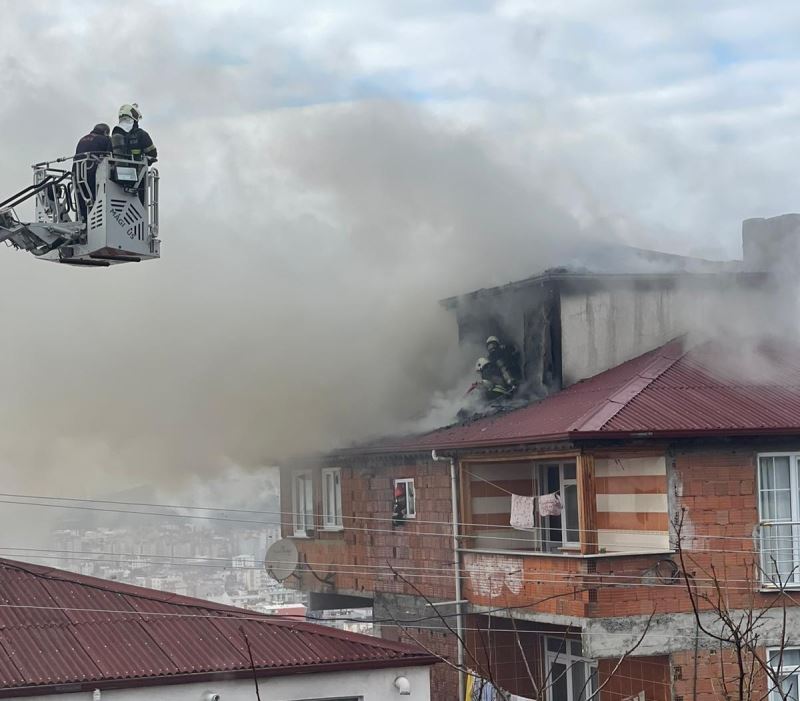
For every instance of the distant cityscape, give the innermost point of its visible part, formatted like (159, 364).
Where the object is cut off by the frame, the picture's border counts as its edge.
(217, 563)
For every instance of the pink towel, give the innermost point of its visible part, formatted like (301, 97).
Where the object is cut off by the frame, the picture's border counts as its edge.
(522, 512)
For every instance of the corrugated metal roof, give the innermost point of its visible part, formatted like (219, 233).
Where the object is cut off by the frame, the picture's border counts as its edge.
(121, 632)
(714, 388)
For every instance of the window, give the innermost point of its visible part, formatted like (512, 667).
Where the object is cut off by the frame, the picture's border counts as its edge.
(572, 676)
(405, 500)
(332, 498)
(779, 512)
(559, 532)
(303, 497)
(787, 665)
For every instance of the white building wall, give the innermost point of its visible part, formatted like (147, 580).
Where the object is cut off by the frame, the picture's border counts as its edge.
(603, 328)
(365, 685)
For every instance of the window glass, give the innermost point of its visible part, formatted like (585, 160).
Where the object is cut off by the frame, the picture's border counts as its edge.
(789, 687)
(559, 687)
(775, 488)
(308, 507)
(572, 676)
(303, 504)
(579, 681)
(411, 499)
(332, 498)
(790, 658)
(787, 664)
(778, 478)
(571, 512)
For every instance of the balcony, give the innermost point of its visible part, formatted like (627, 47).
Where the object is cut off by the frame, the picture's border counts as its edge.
(607, 506)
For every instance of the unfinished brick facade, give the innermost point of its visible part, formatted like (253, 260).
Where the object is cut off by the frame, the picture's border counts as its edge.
(713, 485)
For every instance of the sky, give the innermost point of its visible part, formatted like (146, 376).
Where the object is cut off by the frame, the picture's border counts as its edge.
(328, 172)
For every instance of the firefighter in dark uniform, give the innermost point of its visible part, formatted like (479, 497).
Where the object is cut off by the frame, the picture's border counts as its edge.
(506, 359)
(92, 148)
(130, 141)
(492, 383)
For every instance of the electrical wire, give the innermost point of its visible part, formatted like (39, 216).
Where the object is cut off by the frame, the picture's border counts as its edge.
(597, 582)
(291, 514)
(638, 549)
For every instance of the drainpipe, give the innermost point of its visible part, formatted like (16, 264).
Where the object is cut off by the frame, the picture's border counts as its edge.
(456, 570)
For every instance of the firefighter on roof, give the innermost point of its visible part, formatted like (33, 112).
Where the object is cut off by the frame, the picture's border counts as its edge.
(492, 383)
(506, 359)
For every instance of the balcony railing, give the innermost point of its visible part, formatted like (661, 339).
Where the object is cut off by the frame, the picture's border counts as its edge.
(778, 544)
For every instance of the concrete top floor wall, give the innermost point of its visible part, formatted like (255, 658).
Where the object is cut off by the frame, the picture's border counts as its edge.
(570, 326)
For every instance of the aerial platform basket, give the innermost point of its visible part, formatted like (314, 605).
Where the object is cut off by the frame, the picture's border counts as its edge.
(121, 212)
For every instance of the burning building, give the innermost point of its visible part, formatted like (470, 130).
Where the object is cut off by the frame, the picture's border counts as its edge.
(611, 535)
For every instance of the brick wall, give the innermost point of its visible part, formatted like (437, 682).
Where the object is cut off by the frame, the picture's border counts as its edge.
(715, 489)
(444, 678)
(714, 677)
(634, 675)
(716, 486)
(541, 584)
(357, 559)
(494, 652)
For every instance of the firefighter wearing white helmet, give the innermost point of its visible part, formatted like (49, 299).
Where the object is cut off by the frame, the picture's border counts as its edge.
(129, 139)
(506, 359)
(491, 383)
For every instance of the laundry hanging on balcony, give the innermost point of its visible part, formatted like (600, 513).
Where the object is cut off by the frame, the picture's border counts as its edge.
(478, 689)
(550, 505)
(522, 508)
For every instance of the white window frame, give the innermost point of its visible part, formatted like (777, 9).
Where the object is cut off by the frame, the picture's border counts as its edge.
(303, 504)
(332, 492)
(568, 659)
(783, 671)
(540, 470)
(793, 523)
(410, 513)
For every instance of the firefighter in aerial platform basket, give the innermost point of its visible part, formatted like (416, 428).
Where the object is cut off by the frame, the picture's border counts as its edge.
(131, 141)
(91, 148)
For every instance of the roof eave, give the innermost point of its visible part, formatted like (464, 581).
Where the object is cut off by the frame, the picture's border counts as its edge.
(220, 676)
(575, 436)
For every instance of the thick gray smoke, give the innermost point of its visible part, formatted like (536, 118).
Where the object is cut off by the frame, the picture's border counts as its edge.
(295, 307)
(305, 247)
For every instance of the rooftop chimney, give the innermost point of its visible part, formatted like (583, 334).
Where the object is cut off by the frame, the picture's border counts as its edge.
(768, 244)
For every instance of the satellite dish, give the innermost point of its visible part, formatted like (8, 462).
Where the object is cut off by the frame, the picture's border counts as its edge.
(281, 559)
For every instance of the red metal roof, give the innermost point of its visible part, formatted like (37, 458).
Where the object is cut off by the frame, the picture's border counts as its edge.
(714, 388)
(60, 628)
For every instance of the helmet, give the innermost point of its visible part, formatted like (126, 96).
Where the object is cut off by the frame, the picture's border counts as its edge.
(492, 339)
(482, 363)
(131, 111)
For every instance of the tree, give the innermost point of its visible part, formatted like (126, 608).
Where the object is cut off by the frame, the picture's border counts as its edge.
(740, 631)
(482, 666)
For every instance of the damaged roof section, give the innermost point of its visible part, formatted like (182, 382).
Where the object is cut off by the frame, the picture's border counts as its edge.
(714, 388)
(573, 322)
